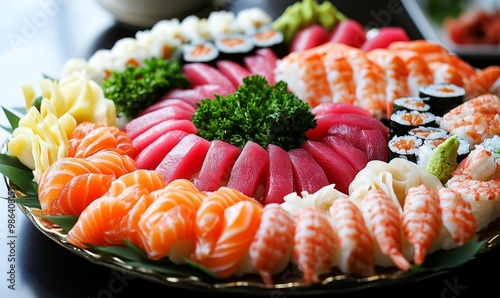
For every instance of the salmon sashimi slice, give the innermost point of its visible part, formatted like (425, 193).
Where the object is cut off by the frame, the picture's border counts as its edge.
(150, 180)
(98, 223)
(88, 139)
(87, 187)
(113, 163)
(240, 222)
(58, 175)
(210, 218)
(167, 225)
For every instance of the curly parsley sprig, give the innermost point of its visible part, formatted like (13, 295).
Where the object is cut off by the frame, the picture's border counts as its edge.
(137, 88)
(257, 112)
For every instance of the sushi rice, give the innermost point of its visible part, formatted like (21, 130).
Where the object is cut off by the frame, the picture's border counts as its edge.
(492, 144)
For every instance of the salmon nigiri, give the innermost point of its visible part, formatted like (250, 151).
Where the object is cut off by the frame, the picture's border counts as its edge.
(240, 223)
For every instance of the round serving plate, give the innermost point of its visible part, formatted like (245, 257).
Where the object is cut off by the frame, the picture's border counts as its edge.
(288, 282)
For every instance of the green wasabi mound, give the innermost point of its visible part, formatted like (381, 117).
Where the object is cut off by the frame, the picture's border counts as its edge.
(443, 159)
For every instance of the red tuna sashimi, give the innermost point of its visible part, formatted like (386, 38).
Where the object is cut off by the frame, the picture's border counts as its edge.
(308, 176)
(196, 94)
(169, 102)
(258, 64)
(249, 171)
(153, 154)
(336, 167)
(233, 70)
(269, 55)
(324, 122)
(185, 159)
(201, 74)
(356, 157)
(385, 37)
(349, 133)
(309, 37)
(140, 124)
(279, 180)
(348, 32)
(339, 108)
(217, 166)
(375, 145)
(152, 134)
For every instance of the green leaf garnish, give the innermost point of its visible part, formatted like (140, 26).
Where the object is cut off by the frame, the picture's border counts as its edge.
(257, 112)
(28, 201)
(13, 120)
(65, 222)
(18, 175)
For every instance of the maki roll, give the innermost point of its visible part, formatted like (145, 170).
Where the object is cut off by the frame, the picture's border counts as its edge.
(411, 103)
(428, 132)
(405, 147)
(199, 52)
(233, 46)
(442, 97)
(401, 122)
(268, 37)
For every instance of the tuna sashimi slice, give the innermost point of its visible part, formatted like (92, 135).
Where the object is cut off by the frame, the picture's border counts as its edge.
(249, 171)
(185, 159)
(352, 134)
(384, 38)
(279, 181)
(197, 94)
(336, 167)
(307, 173)
(199, 73)
(339, 108)
(324, 122)
(217, 166)
(150, 135)
(356, 157)
(233, 70)
(348, 32)
(309, 37)
(169, 102)
(375, 145)
(153, 154)
(259, 65)
(140, 124)
(269, 55)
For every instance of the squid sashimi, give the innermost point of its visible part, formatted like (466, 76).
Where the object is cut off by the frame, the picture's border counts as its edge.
(217, 165)
(271, 249)
(185, 159)
(210, 218)
(89, 138)
(240, 222)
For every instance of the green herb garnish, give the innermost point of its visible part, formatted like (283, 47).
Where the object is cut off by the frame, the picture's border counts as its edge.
(257, 112)
(137, 88)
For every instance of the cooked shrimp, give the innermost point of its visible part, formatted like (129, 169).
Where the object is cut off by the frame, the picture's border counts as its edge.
(478, 165)
(419, 73)
(314, 243)
(355, 244)
(396, 75)
(456, 216)
(445, 73)
(340, 78)
(239, 225)
(315, 78)
(485, 80)
(421, 220)
(383, 218)
(421, 47)
(272, 247)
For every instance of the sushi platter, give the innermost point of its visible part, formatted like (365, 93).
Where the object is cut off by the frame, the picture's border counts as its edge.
(212, 153)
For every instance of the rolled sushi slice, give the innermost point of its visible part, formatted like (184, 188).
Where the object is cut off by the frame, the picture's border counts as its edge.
(411, 103)
(442, 97)
(204, 51)
(428, 132)
(405, 147)
(428, 146)
(267, 37)
(401, 122)
(234, 43)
